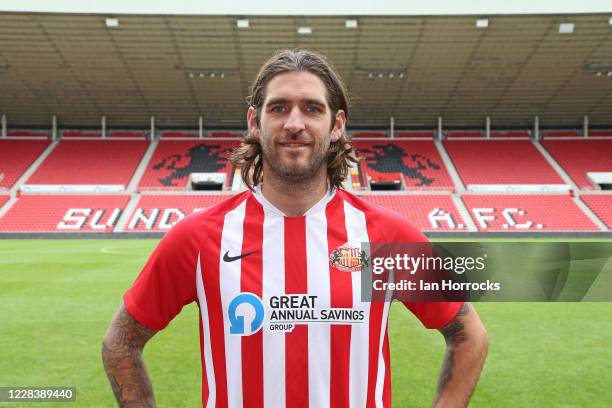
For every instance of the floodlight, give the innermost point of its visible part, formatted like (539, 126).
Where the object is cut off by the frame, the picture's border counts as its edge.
(304, 30)
(351, 23)
(112, 22)
(566, 28)
(482, 23)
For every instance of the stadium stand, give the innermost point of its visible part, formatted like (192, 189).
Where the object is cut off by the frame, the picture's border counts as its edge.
(600, 133)
(520, 134)
(161, 212)
(38, 134)
(454, 134)
(356, 180)
(85, 134)
(173, 161)
(561, 133)
(175, 134)
(226, 134)
(601, 205)
(15, 158)
(417, 161)
(367, 135)
(428, 212)
(64, 213)
(127, 134)
(578, 157)
(527, 212)
(500, 162)
(418, 134)
(90, 162)
(3, 199)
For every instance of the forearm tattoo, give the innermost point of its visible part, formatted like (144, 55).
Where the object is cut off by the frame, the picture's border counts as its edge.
(453, 334)
(122, 357)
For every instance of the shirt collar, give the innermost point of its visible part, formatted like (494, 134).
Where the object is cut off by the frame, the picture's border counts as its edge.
(320, 205)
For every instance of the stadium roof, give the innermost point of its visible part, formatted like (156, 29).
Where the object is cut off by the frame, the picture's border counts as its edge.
(311, 7)
(414, 68)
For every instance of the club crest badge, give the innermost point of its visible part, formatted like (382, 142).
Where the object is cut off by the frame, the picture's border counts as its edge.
(348, 258)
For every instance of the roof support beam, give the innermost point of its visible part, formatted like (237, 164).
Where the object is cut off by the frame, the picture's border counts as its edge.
(152, 135)
(54, 127)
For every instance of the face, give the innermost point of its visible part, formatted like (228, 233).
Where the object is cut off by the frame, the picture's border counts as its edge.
(296, 127)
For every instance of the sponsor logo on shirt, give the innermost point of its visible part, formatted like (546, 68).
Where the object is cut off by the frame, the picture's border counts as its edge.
(348, 258)
(248, 314)
(237, 316)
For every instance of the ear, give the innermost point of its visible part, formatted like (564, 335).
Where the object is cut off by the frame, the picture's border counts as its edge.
(339, 125)
(252, 121)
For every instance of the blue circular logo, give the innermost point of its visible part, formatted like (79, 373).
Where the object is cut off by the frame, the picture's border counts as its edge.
(237, 325)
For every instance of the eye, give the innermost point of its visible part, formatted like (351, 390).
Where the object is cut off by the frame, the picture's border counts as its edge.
(277, 109)
(313, 109)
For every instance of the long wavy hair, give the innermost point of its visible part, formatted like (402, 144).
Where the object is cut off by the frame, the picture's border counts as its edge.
(248, 156)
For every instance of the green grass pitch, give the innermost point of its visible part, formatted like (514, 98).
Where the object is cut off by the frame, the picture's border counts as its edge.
(58, 296)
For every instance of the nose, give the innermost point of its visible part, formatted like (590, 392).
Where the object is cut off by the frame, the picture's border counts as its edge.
(295, 121)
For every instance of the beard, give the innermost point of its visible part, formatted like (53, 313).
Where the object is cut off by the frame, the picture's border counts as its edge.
(292, 168)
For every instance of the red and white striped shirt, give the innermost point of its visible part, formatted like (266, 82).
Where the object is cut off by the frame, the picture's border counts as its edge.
(279, 324)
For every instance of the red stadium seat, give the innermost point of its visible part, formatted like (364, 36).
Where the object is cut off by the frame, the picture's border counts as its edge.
(15, 158)
(427, 134)
(64, 213)
(38, 134)
(67, 134)
(226, 134)
(527, 212)
(600, 133)
(173, 134)
(3, 199)
(417, 160)
(161, 212)
(500, 162)
(601, 205)
(124, 134)
(578, 157)
(173, 161)
(92, 162)
(560, 133)
(453, 134)
(521, 134)
(428, 212)
(365, 135)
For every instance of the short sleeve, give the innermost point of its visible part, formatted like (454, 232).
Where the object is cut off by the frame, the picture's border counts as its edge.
(434, 315)
(167, 282)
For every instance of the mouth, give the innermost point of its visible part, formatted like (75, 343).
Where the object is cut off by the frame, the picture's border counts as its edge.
(294, 145)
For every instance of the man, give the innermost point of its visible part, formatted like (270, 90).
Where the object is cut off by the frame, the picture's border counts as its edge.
(282, 322)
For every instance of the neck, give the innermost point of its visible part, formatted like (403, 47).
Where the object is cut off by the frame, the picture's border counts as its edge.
(294, 198)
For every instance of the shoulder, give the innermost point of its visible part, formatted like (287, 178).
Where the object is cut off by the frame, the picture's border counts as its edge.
(391, 226)
(196, 226)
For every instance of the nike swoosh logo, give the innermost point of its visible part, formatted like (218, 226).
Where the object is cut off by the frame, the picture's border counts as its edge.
(228, 258)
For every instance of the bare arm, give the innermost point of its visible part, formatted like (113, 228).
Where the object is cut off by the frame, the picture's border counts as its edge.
(466, 350)
(122, 357)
